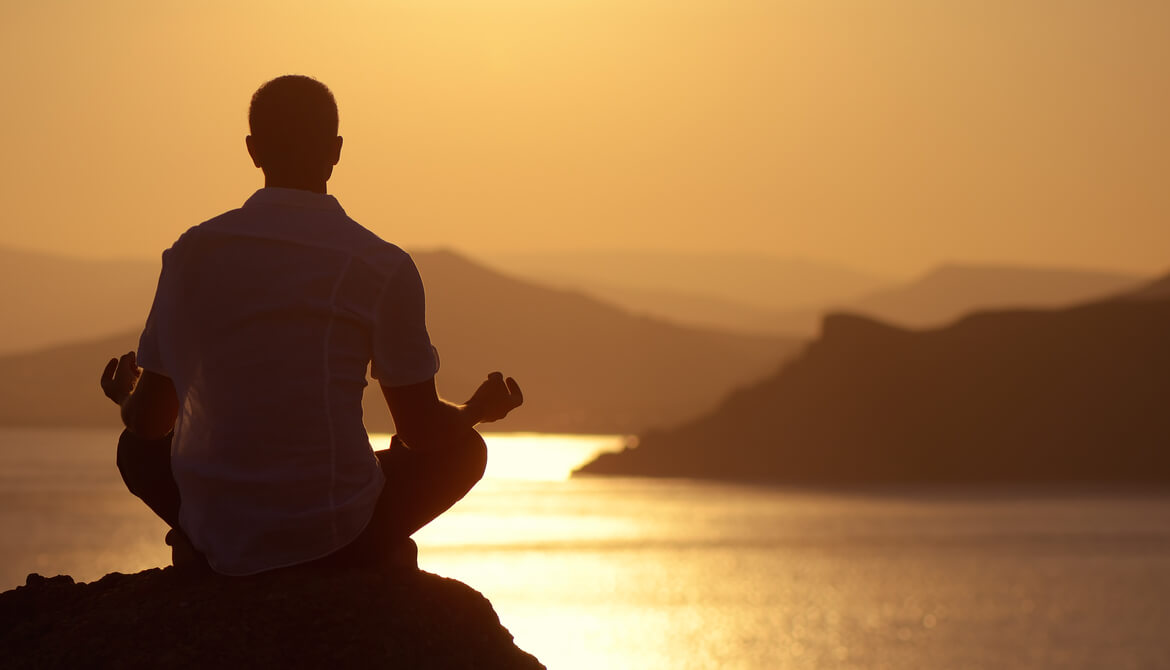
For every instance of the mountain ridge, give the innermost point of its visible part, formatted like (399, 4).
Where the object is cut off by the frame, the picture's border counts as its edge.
(949, 291)
(938, 295)
(755, 280)
(43, 306)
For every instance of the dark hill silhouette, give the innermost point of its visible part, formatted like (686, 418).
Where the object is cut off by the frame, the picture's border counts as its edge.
(584, 365)
(47, 300)
(1158, 289)
(946, 293)
(1073, 395)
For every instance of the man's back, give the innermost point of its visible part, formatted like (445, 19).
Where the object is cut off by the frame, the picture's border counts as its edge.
(244, 430)
(267, 319)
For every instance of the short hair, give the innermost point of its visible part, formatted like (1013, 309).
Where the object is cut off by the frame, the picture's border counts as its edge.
(293, 115)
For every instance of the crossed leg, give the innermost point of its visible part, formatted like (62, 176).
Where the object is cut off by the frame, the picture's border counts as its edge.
(420, 485)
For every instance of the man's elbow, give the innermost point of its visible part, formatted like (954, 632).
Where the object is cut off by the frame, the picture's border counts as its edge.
(150, 412)
(146, 426)
(440, 435)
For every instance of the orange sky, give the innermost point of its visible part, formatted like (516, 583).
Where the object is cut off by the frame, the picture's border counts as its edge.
(884, 135)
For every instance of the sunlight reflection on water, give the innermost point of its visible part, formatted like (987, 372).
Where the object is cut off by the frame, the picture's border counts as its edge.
(668, 574)
(641, 573)
(535, 456)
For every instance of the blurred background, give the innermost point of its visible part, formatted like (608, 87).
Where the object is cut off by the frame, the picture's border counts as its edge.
(850, 315)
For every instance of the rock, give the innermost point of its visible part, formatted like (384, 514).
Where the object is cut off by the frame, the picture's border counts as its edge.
(291, 618)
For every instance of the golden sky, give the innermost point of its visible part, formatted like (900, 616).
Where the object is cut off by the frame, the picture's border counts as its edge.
(884, 134)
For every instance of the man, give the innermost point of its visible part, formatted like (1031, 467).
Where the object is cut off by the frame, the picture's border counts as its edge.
(264, 324)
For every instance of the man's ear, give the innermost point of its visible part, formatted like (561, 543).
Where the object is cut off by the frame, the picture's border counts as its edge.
(336, 150)
(252, 151)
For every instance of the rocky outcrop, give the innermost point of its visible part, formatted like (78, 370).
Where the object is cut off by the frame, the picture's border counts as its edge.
(292, 618)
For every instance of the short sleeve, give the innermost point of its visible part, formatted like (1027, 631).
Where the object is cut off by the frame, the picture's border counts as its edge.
(149, 352)
(402, 351)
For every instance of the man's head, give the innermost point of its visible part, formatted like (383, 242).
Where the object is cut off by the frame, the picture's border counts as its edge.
(293, 120)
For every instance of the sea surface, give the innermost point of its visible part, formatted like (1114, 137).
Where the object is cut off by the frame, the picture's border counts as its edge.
(676, 574)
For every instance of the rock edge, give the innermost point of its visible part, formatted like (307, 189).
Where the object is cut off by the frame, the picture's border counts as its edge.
(292, 618)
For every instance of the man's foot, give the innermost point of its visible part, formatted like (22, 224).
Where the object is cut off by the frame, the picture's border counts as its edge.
(402, 555)
(184, 556)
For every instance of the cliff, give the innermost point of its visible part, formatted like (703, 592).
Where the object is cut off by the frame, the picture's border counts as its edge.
(293, 618)
(1073, 395)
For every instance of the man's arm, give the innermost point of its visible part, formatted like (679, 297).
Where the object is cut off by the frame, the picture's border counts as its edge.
(424, 420)
(148, 401)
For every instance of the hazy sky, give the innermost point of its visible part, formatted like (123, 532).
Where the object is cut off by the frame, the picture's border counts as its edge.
(887, 135)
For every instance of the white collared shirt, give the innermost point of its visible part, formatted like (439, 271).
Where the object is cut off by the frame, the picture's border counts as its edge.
(266, 319)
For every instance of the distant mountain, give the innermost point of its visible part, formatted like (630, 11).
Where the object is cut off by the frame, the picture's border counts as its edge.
(695, 310)
(948, 292)
(1072, 395)
(752, 281)
(585, 366)
(757, 294)
(47, 300)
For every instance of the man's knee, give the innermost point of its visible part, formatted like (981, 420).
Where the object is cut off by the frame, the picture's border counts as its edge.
(141, 461)
(475, 458)
(129, 460)
(451, 467)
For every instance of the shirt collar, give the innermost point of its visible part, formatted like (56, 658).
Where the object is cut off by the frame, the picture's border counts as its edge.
(292, 197)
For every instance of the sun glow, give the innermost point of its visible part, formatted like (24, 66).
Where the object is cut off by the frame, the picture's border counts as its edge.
(536, 456)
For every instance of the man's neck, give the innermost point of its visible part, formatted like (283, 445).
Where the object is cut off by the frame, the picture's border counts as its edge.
(314, 185)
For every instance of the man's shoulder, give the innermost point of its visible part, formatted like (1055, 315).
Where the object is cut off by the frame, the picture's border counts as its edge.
(368, 247)
(335, 232)
(194, 234)
(210, 225)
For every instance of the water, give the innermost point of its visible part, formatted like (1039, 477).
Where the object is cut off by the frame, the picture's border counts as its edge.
(634, 573)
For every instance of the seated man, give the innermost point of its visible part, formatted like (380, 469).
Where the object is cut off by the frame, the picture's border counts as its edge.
(264, 324)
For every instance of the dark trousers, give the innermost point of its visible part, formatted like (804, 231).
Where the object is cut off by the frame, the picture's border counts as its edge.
(421, 484)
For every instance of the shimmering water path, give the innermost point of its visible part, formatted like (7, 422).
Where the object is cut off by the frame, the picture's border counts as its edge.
(629, 573)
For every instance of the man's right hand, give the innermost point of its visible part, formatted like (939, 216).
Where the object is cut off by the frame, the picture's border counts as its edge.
(120, 377)
(494, 398)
